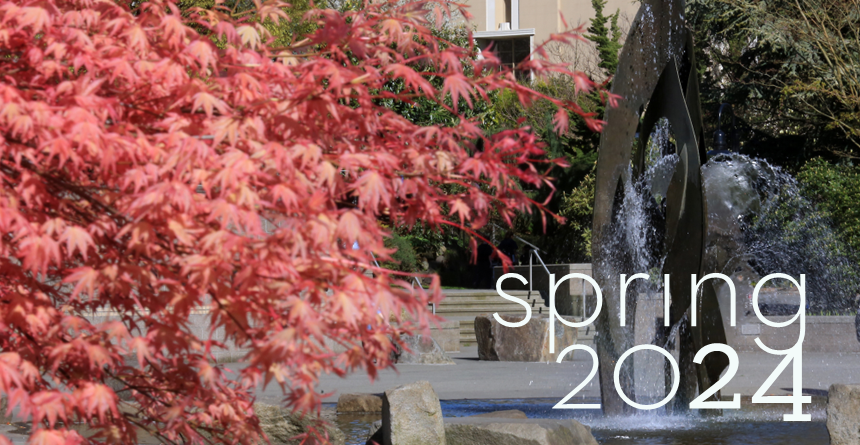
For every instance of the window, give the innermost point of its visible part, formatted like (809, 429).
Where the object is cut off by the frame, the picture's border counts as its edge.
(510, 51)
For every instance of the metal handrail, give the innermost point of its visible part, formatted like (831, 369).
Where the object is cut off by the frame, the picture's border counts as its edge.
(432, 305)
(531, 281)
(534, 252)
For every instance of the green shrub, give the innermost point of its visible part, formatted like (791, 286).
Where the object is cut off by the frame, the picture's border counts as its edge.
(835, 190)
(405, 258)
(578, 207)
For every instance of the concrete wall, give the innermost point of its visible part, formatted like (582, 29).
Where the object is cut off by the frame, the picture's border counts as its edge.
(579, 12)
(823, 334)
(542, 15)
(478, 9)
(447, 334)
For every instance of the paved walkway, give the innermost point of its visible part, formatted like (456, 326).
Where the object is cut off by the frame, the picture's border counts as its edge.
(473, 379)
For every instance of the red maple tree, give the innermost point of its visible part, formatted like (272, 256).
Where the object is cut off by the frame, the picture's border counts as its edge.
(140, 160)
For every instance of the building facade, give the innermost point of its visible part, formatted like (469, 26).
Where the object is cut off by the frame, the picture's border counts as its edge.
(513, 27)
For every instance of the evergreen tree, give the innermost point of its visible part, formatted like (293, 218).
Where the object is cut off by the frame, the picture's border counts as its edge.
(791, 71)
(608, 39)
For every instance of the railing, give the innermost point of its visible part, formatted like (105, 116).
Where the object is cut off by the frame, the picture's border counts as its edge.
(418, 282)
(533, 253)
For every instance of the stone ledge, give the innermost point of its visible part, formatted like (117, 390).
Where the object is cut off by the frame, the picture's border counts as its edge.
(496, 431)
(359, 403)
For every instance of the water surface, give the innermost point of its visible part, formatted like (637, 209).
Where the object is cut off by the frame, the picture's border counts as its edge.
(752, 425)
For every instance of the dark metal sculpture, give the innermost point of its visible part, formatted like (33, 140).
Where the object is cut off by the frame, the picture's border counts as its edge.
(656, 74)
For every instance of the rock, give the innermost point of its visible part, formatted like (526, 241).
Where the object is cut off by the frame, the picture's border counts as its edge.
(359, 403)
(493, 431)
(447, 334)
(486, 340)
(843, 414)
(412, 415)
(374, 433)
(281, 425)
(529, 343)
(506, 414)
(424, 351)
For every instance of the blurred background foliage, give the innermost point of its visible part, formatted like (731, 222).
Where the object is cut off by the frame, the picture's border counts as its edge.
(834, 188)
(568, 242)
(791, 70)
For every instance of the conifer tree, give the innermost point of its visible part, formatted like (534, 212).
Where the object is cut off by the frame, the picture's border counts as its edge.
(608, 39)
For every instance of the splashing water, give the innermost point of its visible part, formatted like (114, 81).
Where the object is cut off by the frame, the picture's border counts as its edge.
(637, 235)
(761, 223)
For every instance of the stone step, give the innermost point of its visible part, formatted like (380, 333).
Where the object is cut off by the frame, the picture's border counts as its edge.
(455, 293)
(487, 295)
(487, 299)
(467, 333)
(467, 325)
(461, 293)
(474, 308)
(465, 304)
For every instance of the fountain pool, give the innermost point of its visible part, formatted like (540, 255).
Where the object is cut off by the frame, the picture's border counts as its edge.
(749, 426)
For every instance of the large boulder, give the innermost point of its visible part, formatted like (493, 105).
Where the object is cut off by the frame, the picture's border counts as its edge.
(493, 431)
(374, 433)
(447, 334)
(412, 415)
(843, 414)
(528, 343)
(423, 350)
(359, 403)
(281, 425)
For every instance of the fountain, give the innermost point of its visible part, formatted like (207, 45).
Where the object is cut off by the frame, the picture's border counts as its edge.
(656, 78)
(662, 207)
(651, 215)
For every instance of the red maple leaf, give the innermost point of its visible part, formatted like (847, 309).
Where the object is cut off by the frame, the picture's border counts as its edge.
(160, 164)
